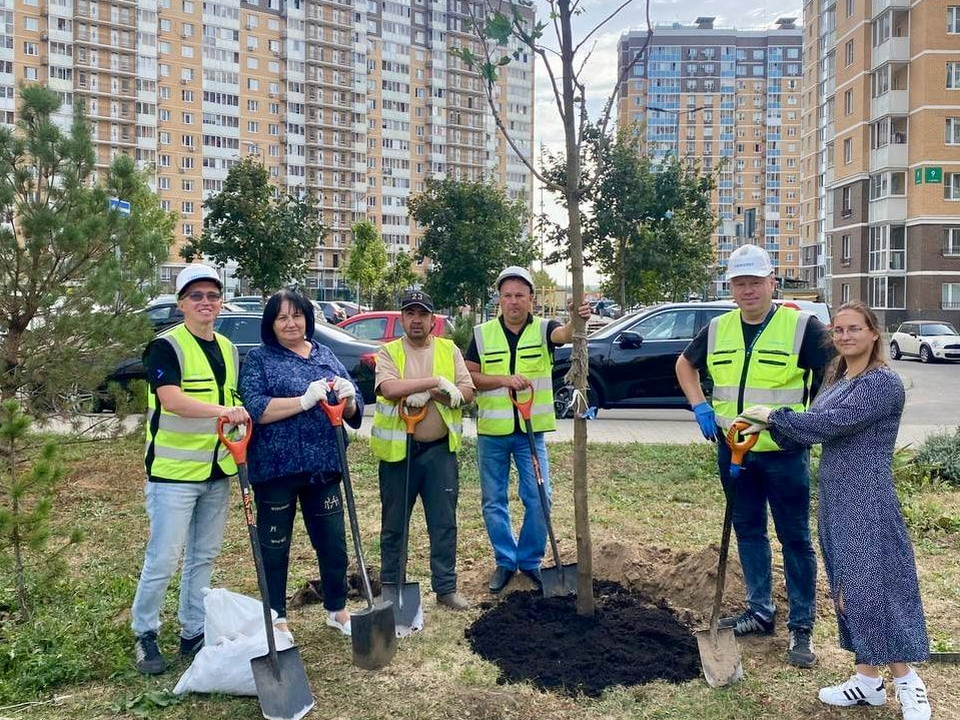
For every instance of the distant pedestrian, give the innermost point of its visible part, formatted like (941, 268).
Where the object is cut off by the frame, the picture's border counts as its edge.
(865, 543)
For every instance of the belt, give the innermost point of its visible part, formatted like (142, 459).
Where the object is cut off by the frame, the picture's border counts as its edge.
(421, 447)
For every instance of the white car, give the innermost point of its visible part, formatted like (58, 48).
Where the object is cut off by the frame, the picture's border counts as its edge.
(926, 339)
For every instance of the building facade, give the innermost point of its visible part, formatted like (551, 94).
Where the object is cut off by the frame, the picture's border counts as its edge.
(357, 101)
(730, 100)
(884, 160)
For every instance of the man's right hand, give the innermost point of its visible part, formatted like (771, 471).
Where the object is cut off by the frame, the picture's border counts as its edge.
(235, 415)
(707, 420)
(517, 383)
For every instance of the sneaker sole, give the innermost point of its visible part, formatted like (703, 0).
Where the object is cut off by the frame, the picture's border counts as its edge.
(853, 703)
(151, 669)
(801, 662)
(344, 630)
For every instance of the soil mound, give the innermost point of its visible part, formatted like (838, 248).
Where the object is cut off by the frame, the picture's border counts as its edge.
(544, 641)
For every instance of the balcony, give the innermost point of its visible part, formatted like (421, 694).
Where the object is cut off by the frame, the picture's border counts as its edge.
(888, 210)
(891, 155)
(893, 102)
(895, 49)
(879, 6)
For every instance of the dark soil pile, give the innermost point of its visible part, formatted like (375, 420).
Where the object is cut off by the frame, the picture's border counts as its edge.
(544, 641)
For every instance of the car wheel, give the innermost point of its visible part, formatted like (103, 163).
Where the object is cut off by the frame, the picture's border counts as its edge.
(563, 399)
(895, 351)
(925, 354)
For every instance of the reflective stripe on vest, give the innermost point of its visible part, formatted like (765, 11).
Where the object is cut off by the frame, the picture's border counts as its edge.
(773, 378)
(388, 436)
(185, 449)
(495, 412)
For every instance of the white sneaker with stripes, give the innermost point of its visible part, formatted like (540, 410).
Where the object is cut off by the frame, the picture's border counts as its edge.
(913, 700)
(854, 692)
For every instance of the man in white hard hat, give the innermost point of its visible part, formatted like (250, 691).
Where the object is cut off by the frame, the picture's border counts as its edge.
(192, 378)
(514, 352)
(762, 354)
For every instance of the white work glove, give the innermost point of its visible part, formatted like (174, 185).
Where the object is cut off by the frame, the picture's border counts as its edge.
(758, 417)
(344, 390)
(452, 391)
(417, 400)
(316, 391)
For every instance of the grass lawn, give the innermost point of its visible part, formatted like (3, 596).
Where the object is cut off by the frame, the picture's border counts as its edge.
(659, 504)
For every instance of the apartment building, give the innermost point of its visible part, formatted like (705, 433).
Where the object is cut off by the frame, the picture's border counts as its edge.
(730, 101)
(882, 168)
(359, 102)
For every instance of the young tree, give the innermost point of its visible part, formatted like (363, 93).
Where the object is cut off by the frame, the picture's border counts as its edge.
(270, 234)
(501, 22)
(399, 276)
(368, 259)
(472, 231)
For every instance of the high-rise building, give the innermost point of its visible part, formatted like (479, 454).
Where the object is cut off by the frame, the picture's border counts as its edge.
(730, 100)
(882, 154)
(358, 101)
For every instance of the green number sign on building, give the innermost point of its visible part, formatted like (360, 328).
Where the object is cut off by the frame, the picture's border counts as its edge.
(918, 176)
(933, 174)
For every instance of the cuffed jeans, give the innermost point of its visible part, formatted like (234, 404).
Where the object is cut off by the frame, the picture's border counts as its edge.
(781, 479)
(186, 518)
(494, 452)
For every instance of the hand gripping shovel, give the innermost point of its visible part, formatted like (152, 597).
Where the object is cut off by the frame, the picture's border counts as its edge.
(560, 580)
(405, 596)
(280, 677)
(372, 630)
(719, 652)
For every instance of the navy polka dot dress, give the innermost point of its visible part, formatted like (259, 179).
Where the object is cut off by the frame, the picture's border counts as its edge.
(863, 537)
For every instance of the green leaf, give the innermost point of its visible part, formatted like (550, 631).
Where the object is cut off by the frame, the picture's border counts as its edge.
(499, 28)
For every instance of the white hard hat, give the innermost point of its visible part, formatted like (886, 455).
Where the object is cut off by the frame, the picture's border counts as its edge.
(515, 271)
(749, 260)
(193, 273)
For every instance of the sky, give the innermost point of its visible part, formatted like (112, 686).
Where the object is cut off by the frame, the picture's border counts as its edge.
(601, 69)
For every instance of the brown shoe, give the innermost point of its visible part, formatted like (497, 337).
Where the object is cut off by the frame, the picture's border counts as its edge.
(454, 601)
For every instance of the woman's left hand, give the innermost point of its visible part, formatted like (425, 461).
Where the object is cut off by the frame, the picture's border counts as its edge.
(757, 417)
(344, 390)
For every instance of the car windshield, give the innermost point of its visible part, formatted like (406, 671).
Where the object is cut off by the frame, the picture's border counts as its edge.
(938, 329)
(326, 330)
(616, 326)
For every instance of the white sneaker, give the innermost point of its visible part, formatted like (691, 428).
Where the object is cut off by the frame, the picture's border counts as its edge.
(334, 623)
(854, 692)
(913, 701)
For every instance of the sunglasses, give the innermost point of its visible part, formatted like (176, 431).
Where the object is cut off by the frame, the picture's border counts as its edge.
(198, 296)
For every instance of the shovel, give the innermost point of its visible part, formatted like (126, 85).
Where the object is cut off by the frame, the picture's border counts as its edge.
(405, 596)
(559, 580)
(280, 678)
(719, 652)
(372, 630)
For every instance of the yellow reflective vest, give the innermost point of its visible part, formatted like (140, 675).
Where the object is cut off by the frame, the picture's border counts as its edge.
(388, 436)
(495, 411)
(768, 373)
(184, 449)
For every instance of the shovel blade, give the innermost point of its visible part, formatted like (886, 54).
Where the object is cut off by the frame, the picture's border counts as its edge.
(406, 602)
(559, 581)
(720, 657)
(282, 688)
(374, 636)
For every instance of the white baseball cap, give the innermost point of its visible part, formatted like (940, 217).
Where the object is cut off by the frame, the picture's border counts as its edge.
(194, 273)
(749, 260)
(515, 271)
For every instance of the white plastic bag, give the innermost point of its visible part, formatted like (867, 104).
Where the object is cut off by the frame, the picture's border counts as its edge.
(233, 635)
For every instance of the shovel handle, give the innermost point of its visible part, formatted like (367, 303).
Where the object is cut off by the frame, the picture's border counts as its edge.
(739, 448)
(333, 411)
(411, 419)
(237, 448)
(526, 407)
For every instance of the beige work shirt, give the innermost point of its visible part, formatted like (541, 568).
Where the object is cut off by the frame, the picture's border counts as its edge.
(419, 364)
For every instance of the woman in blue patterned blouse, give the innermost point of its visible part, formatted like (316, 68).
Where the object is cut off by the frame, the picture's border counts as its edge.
(865, 544)
(293, 453)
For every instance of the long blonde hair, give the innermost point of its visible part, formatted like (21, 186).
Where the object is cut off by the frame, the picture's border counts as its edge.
(877, 356)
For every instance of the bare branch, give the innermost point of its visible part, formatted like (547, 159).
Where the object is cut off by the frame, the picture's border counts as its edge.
(603, 22)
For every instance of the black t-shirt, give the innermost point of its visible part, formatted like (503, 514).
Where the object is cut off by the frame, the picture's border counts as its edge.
(816, 349)
(163, 368)
(513, 339)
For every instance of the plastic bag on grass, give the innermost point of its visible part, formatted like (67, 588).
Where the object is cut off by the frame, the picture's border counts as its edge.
(233, 635)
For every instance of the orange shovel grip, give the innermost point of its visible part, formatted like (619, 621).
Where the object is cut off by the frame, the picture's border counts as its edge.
(739, 448)
(411, 419)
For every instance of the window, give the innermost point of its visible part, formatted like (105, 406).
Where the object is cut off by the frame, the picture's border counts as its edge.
(953, 19)
(370, 329)
(845, 247)
(31, 48)
(846, 201)
(950, 296)
(673, 325)
(953, 131)
(848, 150)
(848, 53)
(845, 293)
(848, 102)
(953, 76)
(951, 241)
(850, 8)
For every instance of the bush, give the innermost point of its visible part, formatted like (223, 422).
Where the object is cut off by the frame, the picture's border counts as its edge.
(463, 331)
(940, 454)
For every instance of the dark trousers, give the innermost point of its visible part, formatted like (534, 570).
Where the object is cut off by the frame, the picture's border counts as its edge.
(322, 507)
(434, 478)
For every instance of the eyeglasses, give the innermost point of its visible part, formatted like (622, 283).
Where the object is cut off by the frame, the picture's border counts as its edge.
(197, 296)
(852, 330)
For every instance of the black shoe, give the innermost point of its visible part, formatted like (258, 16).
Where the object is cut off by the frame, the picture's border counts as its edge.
(749, 623)
(498, 581)
(147, 654)
(533, 574)
(801, 649)
(191, 646)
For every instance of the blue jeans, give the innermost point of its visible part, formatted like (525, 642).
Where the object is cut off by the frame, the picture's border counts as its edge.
(185, 519)
(494, 451)
(782, 480)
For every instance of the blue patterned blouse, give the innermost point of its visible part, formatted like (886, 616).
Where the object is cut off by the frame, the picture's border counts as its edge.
(305, 442)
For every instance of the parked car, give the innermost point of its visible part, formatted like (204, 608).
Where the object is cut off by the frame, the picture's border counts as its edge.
(167, 313)
(351, 308)
(385, 325)
(928, 340)
(606, 308)
(250, 303)
(243, 330)
(331, 311)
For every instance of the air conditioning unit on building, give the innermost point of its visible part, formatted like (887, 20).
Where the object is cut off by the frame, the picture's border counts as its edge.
(183, 81)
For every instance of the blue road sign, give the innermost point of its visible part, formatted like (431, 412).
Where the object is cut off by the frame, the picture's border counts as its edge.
(121, 206)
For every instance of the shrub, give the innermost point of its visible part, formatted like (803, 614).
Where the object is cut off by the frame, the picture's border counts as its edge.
(940, 454)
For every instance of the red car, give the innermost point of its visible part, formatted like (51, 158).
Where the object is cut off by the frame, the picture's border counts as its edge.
(385, 325)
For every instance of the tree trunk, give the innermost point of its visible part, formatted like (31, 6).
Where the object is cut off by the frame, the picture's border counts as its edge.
(580, 360)
(623, 275)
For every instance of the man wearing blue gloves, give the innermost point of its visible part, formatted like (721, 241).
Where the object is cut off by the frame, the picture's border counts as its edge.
(761, 354)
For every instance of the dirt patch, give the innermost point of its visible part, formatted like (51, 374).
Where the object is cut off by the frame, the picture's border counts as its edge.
(311, 592)
(544, 641)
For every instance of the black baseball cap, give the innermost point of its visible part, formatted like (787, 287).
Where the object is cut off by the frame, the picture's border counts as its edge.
(412, 298)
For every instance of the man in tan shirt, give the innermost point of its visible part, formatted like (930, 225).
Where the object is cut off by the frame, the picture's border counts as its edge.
(433, 374)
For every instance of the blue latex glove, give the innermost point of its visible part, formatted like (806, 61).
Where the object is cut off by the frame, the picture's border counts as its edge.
(707, 420)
